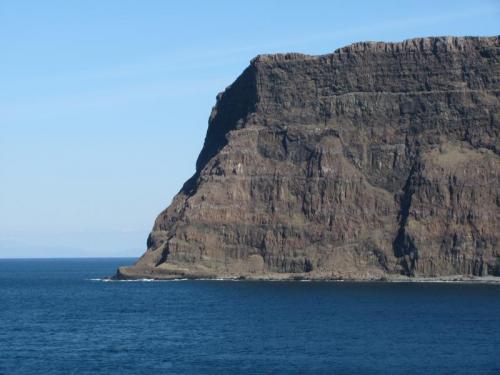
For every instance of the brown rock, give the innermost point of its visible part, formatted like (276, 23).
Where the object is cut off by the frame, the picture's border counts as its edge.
(379, 159)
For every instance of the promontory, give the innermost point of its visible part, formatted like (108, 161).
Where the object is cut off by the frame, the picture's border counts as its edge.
(379, 160)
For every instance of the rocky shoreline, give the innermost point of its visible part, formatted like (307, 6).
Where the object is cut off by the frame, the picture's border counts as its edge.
(294, 278)
(123, 275)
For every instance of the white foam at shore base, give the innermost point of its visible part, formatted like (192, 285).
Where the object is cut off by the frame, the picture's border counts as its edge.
(486, 280)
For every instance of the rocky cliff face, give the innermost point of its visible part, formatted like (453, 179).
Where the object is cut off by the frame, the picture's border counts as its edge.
(378, 159)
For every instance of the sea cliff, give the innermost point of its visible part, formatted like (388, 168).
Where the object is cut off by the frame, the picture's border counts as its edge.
(379, 160)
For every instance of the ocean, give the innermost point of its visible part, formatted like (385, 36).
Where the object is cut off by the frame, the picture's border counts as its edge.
(58, 317)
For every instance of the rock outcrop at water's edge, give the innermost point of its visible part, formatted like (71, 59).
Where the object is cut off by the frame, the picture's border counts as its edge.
(378, 160)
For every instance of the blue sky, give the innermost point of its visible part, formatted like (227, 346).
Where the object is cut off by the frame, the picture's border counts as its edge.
(104, 104)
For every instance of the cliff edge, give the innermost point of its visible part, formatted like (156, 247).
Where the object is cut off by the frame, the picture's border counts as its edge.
(375, 161)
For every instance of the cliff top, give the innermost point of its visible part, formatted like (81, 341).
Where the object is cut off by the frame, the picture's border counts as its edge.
(446, 43)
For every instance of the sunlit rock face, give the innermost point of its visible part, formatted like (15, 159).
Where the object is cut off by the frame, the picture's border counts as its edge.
(379, 159)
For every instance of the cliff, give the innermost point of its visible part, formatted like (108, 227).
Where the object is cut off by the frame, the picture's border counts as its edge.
(379, 159)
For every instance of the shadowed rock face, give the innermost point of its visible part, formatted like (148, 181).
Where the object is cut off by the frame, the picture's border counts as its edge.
(378, 159)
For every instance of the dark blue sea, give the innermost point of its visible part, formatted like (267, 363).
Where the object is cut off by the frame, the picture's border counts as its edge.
(55, 319)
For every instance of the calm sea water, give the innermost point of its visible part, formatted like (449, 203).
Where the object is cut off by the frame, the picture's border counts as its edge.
(55, 320)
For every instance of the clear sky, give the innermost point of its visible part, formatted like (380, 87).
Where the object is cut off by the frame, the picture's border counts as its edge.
(104, 104)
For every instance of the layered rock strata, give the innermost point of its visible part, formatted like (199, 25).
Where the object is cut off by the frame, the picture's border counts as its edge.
(377, 160)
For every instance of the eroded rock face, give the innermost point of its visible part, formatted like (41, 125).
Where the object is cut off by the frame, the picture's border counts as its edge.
(377, 159)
